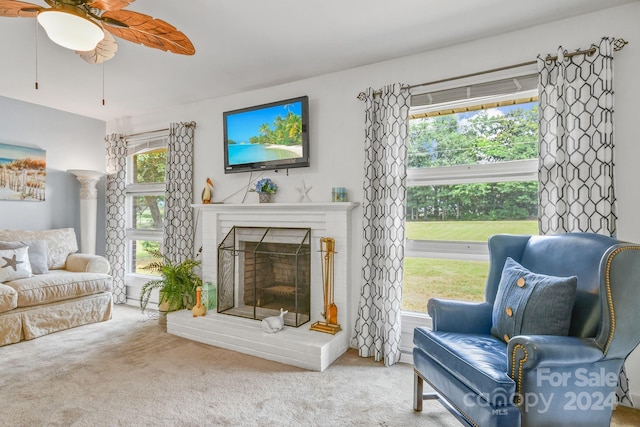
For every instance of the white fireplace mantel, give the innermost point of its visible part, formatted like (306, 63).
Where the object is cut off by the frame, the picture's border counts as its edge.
(295, 346)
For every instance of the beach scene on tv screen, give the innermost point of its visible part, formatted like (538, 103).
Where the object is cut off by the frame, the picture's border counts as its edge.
(266, 134)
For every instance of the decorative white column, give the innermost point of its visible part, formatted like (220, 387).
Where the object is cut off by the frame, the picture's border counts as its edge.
(88, 207)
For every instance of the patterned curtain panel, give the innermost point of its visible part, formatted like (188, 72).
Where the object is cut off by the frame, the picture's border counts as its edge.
(377, 329)
(116, 148)
(576, 142)
(576, 149)
(178, 216)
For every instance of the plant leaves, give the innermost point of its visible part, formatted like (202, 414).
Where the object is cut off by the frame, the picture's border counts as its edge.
(178, 283)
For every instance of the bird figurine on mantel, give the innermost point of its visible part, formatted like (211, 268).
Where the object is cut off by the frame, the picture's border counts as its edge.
(207, 192)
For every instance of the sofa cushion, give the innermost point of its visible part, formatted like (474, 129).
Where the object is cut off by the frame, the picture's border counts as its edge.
(8, 298)
(58, 285)
(37, 253)
(14, 264)
(532, 304)
(479, 361)
(60, 243)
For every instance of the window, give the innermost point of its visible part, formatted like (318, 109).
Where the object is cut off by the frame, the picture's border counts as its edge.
(472, 173)
(146, 161)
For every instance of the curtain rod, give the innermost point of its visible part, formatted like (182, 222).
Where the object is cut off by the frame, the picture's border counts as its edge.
(618, 44)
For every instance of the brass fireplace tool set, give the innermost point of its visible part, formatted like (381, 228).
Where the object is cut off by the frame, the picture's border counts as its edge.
(330, 324)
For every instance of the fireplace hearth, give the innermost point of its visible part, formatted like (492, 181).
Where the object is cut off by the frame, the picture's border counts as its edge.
(264, 269)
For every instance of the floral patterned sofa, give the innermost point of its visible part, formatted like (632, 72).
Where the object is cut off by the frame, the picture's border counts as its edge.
(46, 286)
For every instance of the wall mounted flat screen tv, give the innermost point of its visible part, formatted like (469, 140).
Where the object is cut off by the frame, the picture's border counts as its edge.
(267, 137)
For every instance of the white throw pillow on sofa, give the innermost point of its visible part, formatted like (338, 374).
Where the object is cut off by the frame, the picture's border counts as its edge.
(37, 253)
(14, 264)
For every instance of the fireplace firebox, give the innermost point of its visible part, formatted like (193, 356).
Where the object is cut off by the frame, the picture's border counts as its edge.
(264, 269)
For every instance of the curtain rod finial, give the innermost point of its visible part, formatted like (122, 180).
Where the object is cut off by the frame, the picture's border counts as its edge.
(618, 44)
(362, 96)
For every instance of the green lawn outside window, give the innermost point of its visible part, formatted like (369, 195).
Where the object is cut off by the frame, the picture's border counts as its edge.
(426, 278)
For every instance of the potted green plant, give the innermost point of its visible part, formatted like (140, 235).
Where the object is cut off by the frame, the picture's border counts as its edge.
(177, 284)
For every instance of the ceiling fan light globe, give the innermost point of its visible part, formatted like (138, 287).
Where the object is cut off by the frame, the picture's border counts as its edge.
(69, 30)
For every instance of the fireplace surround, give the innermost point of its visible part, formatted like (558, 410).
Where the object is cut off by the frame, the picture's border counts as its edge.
(297, 346)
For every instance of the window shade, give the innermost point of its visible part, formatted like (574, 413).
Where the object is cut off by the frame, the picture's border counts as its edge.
(145, 145)
(510, 86)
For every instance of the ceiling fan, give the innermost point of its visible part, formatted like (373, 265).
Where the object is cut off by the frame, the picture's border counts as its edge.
(88, 26)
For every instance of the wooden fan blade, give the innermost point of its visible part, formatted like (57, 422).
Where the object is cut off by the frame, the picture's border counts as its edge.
(108, 5)
(14, 9)
(104, 50)
(146, 30)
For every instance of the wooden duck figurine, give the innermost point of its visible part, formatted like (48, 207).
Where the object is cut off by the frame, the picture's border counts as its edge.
(274, 323)
(207, 192)
(199, 309)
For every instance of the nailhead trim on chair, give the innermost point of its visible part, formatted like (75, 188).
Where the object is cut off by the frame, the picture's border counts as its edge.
(521, 363)
(609, 298)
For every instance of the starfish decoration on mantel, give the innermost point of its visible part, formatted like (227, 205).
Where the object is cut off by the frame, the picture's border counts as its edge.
(12, 262)
(304, 192)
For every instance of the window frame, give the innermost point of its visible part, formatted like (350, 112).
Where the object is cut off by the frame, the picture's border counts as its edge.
(515, 170)
(509, 171)
(132, 189)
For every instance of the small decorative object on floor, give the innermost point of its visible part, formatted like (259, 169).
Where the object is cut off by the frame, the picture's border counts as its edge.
(209, 296)
(265, 188)
(199, 309)
(207, 192)
(274, 323)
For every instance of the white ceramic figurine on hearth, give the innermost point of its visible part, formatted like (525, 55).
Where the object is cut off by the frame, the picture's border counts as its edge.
(274, 323)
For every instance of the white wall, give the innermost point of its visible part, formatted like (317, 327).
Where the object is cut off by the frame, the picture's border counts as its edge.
(336, 127)
(71, 142)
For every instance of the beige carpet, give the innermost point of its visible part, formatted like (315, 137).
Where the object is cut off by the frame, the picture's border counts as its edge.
(128, 372)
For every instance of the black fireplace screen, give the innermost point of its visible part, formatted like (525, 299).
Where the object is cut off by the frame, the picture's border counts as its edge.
(264, 269)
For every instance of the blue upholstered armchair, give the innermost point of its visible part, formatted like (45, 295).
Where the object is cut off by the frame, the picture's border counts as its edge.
(560, 316)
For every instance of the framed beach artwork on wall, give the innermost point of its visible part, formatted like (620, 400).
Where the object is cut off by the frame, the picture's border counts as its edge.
(23, 173)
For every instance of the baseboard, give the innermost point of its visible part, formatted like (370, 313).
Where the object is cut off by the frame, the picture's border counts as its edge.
(635, 398)
(134, 302)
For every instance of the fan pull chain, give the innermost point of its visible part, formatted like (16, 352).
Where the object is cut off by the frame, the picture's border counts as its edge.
(103, 83)
(36, 21)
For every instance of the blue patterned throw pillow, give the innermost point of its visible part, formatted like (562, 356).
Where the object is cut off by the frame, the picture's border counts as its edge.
(532, 304)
